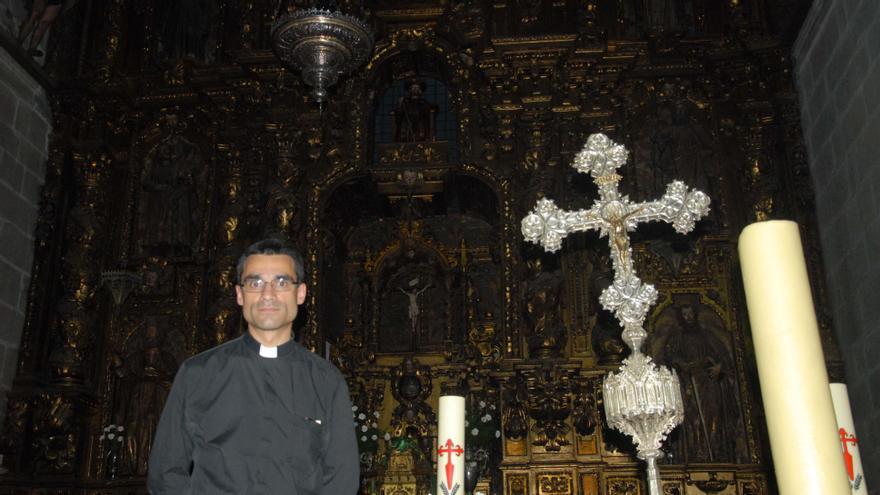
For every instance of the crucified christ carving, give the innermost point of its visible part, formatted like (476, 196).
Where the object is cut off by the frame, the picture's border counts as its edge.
(413, 296)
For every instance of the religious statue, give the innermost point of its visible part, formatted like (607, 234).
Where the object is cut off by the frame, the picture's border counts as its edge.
(414, 116)
(145, 370)
(168, 199)
(413, 296)
(690, 337)
(543, 292)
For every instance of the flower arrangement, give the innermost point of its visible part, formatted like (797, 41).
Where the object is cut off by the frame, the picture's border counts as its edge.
(482, 428)
(367, 429)
(114, 438)
(113, 435)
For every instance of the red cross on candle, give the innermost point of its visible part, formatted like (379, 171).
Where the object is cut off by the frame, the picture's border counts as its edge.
(449, 448)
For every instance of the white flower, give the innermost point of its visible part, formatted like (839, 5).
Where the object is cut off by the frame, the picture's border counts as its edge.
(374, 425)
(120, 429)
(374, 437)
(363, 429)
(363, 438)
(111, 436)
(475, 432)
(354, 408)
(376, 414)
(492, 406)
(362, 416)
(107, 428)
(486, 418)
(387, 436)
(466, 423)
(497, 433)
(101, 437)
(119, 439)
(482, 403)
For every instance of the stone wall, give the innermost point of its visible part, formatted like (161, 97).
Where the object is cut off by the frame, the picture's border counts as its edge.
(25, 119)
(837, 72)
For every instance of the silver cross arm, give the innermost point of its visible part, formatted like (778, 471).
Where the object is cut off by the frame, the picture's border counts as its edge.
(680, 206)
(547, 224)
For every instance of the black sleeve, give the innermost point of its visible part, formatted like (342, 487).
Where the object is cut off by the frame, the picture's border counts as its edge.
(341, 467)
(171, 452)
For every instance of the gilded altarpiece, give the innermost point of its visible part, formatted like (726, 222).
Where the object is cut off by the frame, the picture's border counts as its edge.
(177, 144)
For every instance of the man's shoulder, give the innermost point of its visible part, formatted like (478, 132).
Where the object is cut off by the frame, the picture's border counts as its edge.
(221, 351)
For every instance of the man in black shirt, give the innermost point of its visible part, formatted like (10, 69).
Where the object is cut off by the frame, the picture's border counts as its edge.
(259, 414)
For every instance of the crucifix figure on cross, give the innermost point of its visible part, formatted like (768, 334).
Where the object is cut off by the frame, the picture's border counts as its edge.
(614, 216)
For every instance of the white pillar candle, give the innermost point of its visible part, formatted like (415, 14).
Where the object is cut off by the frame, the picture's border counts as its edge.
(848, 440)
(791, 366)
(450, 446)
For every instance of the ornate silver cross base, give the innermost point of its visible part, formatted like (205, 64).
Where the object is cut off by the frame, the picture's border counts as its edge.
(642, 400)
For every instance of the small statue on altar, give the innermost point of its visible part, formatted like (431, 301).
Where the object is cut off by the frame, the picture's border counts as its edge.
(543, 297)
(413, 296)
(414, 115)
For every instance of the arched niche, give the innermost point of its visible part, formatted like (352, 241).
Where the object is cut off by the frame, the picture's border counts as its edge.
(404, 274)
(413, 286)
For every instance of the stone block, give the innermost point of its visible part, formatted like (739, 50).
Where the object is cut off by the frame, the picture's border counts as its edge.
(14, 208)
(38, 133)
(821, 50)
(14, 80)
(30, 188)
(32, 158)
(41, 105)
(11, 172)
(8, 106)
(10, 283)
(10, 364)
(16, 247)
(11, 319)
(23, 119)
(822, 128)
(871, 89)
(9, 140)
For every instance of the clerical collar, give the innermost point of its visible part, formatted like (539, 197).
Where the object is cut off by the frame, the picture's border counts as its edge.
(267, 352)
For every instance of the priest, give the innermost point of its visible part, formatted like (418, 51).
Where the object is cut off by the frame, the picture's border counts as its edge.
(259, 414)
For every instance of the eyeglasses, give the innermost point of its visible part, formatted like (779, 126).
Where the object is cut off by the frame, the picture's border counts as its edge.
(279, 284)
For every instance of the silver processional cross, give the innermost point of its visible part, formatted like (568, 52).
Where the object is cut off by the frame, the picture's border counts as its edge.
(641, 400)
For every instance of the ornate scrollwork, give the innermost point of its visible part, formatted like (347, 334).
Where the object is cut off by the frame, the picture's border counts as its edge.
(550, 406)
(411, 385)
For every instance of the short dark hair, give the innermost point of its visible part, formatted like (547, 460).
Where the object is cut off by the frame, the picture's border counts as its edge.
(273, 245)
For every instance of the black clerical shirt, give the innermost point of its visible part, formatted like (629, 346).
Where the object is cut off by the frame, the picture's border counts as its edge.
(239, 423)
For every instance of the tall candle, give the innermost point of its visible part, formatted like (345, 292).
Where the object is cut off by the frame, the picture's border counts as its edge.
(791, 366)
(450, 446)
(849, 442)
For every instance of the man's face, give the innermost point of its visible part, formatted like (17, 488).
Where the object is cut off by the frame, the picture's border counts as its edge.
(270, 310)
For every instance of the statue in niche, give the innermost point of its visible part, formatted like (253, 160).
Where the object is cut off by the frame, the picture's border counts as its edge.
(543, 293)
(168, 210)
(413, 297)
(144, 374)
(414, 116)
(691, 338)
(406, 323)
(674, 142)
